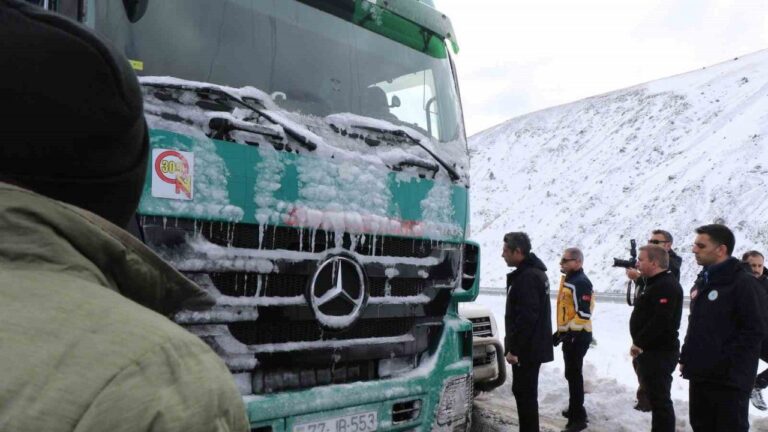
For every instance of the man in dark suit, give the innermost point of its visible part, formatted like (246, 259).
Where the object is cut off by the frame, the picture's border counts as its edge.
(528, 340)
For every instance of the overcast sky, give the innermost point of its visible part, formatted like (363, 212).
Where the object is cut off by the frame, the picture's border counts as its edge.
(520, 56)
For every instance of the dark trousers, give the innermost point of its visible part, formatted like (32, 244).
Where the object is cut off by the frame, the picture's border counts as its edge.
(642, 396)
(716, 408)
(654, 369)
(761, 381)
(525, 387)
(575, 346)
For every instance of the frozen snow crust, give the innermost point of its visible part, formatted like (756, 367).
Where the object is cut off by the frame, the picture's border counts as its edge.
(325, 176)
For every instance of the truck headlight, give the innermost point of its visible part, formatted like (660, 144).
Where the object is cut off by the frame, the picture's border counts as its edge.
(455, 402)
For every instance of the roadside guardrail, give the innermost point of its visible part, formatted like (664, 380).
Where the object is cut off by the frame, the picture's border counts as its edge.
(610, 297)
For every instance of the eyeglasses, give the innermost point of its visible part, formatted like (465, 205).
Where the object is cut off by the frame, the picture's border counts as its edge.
(565, 260)
(652, 241)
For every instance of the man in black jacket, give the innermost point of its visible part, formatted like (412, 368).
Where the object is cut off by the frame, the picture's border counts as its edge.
(754, 263)
(725, 330)
(664, 239)
(528, 340)
(654, 328)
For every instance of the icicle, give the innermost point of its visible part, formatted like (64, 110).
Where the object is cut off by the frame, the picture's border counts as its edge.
(313, 239)
(301, 239)
(373, 245)
(387, 288)
(165, 222)
(338, 239)
(258, 286)
(262, 228)
(230, 234)
(274, 237)
(245, 284)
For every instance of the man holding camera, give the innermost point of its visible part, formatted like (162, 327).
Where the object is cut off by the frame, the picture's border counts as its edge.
(575, 303)
(725, 330)
(528, 325)
(664, 239)
(754, 263)
(654, 326)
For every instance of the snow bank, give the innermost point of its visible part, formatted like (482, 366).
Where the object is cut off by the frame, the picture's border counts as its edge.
(673, 154)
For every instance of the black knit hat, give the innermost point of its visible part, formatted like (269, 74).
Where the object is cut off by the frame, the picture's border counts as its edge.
(72, 126)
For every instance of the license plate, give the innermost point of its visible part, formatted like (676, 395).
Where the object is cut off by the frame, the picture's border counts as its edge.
(364, 422)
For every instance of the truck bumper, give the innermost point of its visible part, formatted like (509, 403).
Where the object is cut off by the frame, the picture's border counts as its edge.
(437, 395)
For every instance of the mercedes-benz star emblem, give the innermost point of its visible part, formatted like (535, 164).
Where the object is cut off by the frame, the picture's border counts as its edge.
(337, 292)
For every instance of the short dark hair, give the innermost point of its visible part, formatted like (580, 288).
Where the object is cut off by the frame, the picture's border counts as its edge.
(657, 254)
(720, 234)
(666, 234)
(518, 240)
(752, 253)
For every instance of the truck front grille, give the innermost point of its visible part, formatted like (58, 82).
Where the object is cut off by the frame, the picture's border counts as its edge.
(276, 332)
(481, 327)
(263, 325)
(486, 359)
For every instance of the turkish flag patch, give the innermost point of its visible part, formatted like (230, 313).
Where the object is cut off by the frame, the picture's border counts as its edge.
(663, 301)
(586, 297)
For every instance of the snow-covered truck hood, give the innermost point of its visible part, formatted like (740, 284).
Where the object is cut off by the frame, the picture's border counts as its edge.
(341, 173)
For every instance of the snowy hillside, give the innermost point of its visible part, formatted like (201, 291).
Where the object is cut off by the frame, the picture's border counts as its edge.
(674, 153)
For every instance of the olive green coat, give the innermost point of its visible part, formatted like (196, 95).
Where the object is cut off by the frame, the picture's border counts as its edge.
(84, 343)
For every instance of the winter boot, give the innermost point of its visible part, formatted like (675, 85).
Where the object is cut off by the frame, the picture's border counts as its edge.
(575, 426)
(757, 399)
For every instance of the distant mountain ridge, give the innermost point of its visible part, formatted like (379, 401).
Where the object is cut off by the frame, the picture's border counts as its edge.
(675, 153)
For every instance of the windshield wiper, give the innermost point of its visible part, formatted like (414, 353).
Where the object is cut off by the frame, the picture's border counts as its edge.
(403, 134)
(216, 99)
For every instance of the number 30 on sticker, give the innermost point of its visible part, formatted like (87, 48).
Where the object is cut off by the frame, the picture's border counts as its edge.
(173, 174)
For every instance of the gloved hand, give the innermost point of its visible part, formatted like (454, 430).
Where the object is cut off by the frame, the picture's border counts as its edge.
(557, 337)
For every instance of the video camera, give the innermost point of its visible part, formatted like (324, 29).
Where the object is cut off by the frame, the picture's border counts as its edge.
(631, 262)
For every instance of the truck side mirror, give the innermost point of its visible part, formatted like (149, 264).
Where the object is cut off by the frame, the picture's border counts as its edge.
(135, 9)
(395, 102)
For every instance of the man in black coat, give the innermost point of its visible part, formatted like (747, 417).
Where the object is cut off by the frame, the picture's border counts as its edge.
(654, 328)
(528, 340)
(754, 263)
(725, 330)
(664, 239)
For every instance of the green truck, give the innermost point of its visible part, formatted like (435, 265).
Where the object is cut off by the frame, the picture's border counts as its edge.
(309, 168)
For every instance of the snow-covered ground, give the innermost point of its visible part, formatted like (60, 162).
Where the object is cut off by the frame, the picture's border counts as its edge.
(609, 379)
(674, 154)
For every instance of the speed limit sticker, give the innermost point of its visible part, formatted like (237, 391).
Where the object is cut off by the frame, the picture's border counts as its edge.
(172, 174)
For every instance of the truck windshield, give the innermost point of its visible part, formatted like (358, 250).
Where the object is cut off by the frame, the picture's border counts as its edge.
(328, 58)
